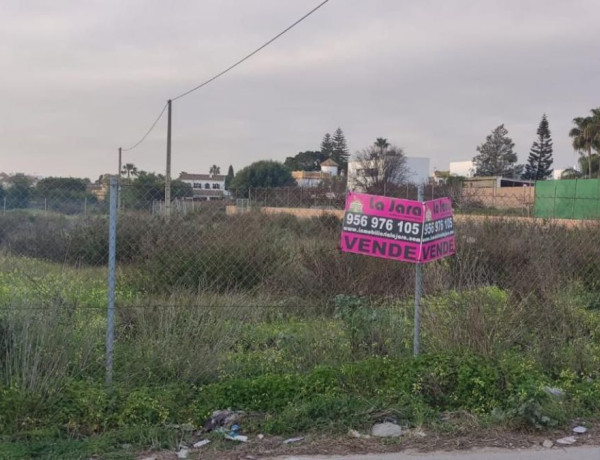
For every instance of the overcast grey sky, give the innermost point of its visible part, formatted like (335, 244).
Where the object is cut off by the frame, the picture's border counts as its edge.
(81, 78)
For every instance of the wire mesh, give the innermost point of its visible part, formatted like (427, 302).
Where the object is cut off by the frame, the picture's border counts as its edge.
(247, 282)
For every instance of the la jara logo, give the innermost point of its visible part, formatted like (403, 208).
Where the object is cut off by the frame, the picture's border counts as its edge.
(356, 206)
(396, 206)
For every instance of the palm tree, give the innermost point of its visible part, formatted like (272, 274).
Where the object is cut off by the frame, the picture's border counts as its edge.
(214, 170)
(129, 170)
(387, 163)
(570, 173)
(382, 144)
(586, 135)
(585, 168)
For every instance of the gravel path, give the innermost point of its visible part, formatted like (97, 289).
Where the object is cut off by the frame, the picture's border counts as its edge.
(571, 453)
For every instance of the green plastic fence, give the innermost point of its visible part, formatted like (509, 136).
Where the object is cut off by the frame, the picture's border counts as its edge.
(568, 199)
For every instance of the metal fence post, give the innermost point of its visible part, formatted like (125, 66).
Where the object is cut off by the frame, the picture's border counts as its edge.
(112, 252)
(418, 292)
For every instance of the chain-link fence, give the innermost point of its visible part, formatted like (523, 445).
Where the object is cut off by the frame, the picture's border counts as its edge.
(255, 283)
(467, 200)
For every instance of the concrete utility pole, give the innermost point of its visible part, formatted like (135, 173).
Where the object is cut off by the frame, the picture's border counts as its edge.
(112, 264)
(119, 177)
(168, 175)
(120, 162)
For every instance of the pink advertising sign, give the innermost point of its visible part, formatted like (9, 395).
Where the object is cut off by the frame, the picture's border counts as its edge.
(392, 228)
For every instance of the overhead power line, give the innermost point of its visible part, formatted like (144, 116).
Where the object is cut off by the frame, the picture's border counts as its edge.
(147, 132)
(231, 67)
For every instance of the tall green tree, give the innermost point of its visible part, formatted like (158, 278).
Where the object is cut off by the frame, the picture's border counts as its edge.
(496, 156)
(19, 192)
(327, 145)
(340, 153)
(539, 163)
(305, 161)
(265, 173)
(229, 177)
(149, 187)
(586, 135)
(64, 194)
(61, 186)
(128, 170)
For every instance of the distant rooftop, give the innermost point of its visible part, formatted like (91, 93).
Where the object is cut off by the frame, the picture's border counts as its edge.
(188, 176)
(329, 162)
(310, 175)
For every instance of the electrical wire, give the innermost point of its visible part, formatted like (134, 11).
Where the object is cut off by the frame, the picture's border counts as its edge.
(231, 67)
(147, 132)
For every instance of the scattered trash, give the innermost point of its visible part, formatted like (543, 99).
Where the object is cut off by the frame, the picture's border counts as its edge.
(251, 457)
(260, 437)
(233, 434)
(125, 446)
(566, 441)
(149, 458)
(557, 392)
(183, 452)
(547, 444)
(202, 443)
(386, 430)
(291, 440)
(418, 433)
(223, 418)
(236, 437)
(356, 434)
(579, 429)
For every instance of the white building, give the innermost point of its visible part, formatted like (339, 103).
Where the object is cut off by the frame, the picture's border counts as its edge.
(418, 171)
(206, 186)
(462, 168)
(329, 169)
(310, 178)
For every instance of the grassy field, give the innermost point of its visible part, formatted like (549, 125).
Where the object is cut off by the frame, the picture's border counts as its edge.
(264, 314)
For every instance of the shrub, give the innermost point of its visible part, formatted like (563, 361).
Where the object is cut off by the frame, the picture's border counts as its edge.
(371, 330)
(483, 321)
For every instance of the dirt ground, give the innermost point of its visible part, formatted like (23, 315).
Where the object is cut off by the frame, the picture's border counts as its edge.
(415, 440)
